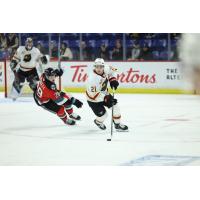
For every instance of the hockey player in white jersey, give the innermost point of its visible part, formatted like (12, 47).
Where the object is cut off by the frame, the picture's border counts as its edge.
(98, 96)
(23, 65)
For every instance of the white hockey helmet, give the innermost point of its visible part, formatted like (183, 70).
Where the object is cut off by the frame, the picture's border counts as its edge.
(99, 62)
(29, 43)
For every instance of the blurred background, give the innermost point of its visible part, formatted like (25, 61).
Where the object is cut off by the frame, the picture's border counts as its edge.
(88, 46)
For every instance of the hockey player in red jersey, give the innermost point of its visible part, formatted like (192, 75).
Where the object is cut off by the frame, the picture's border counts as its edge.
(53, 100)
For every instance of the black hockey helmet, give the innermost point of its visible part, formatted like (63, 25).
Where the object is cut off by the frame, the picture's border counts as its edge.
(29, 43)
(49, 72)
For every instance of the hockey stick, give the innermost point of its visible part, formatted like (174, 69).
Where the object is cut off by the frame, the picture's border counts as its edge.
(111, 128)
(59, 62)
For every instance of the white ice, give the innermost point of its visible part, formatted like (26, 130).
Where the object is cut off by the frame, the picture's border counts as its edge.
(159, 125)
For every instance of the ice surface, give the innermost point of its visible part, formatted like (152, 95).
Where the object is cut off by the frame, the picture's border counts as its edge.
(161, 127)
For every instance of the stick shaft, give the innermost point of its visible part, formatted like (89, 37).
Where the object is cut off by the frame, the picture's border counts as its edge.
(59, 61)
(59, 64)
(111, 130)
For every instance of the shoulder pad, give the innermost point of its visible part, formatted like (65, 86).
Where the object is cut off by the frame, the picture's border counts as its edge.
(21, 48)
(36, 50)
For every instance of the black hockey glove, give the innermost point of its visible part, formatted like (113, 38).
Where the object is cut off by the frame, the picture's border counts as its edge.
(114, 84)
(59, 72)
(13, 65)
(109, 101)
(76, 102)
(27, 57)
(62, 94)
(44, 59)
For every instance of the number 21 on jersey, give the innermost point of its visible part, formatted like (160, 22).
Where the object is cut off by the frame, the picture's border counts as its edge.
(93, 89)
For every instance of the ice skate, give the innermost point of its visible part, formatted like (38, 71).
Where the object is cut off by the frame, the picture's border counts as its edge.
(70, 122)
(75, 116)
(100, 125)
(121, 127)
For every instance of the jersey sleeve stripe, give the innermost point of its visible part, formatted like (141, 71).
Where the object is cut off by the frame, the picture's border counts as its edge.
(15, 57)
(112, 79)
(61, 101)
(92, 98)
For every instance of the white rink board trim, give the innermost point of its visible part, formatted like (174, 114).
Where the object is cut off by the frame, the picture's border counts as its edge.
(129, 74)
(162, 160)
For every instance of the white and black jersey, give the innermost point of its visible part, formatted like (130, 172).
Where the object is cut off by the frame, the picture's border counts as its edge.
(24, 64)
(97, 85)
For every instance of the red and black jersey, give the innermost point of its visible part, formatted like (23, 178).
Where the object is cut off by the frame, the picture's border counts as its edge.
(47, 90)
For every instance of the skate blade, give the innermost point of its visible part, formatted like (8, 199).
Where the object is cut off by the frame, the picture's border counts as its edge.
(121, 130)
(75, 119)
(101, 128)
